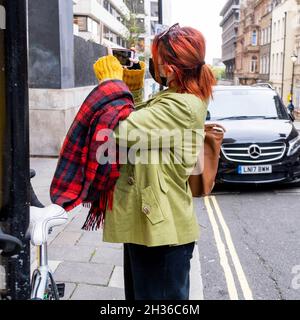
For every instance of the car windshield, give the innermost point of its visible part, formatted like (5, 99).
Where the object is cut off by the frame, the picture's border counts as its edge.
(245, 104)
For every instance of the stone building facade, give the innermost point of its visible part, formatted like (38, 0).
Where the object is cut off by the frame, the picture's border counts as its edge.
(248, 49)
(283, 46)
(230, 21)
(263, 8)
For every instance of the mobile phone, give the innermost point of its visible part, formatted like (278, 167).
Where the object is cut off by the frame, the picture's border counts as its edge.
(123, 55)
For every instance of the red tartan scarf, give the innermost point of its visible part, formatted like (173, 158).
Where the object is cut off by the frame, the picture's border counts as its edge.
(79, 178)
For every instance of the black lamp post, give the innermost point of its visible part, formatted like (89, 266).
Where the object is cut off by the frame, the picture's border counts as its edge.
(294, 59)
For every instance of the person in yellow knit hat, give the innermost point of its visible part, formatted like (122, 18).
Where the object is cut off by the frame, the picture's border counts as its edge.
(152, 213)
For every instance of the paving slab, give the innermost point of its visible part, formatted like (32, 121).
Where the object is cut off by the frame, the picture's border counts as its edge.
(67, 238)
(69, 290)
(108, 255)
(117, 278)
(71, 253)
(90, 238)
(87, 273)
(89, 292)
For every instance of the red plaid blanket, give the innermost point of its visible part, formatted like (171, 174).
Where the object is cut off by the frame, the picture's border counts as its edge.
(79, 178)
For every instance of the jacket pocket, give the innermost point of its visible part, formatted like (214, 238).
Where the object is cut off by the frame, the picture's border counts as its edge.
(150, 206)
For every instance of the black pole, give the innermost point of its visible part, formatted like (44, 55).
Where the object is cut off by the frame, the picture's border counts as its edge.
(17, 168)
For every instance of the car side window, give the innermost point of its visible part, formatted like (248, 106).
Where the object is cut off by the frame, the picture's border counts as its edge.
(280, 108)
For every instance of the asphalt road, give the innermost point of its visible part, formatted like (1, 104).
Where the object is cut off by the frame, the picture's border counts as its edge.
(250, 243)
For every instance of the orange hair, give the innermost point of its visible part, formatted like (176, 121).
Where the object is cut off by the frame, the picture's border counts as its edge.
(183, 50)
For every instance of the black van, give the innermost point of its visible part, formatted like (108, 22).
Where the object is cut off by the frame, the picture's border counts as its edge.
(261, 144)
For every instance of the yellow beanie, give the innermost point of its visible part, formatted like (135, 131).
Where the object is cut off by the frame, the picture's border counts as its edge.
(135, 78)
(108, 67)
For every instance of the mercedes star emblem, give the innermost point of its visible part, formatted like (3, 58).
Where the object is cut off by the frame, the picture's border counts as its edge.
(254, 151)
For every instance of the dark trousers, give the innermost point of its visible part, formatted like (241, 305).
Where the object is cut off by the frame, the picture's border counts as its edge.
(157, 273)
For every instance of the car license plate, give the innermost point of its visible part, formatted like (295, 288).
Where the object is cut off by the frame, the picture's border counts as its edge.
(255, 169)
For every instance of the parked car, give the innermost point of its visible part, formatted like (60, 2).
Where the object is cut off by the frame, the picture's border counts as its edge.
(261, 144)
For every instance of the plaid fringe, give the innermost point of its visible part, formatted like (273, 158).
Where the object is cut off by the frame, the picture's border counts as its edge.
(96, 215)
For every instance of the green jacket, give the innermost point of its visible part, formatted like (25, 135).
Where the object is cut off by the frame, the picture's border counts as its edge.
(152, 203)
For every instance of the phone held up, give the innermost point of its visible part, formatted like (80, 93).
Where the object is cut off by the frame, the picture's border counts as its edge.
(124, 56)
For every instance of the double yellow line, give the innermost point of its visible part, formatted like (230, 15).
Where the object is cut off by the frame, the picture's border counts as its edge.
(211, 203)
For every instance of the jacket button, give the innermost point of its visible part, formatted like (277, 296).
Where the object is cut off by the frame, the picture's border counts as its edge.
(146, 210)
(130, 180)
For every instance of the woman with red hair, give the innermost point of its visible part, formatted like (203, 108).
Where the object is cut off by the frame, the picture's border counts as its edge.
(152, 212)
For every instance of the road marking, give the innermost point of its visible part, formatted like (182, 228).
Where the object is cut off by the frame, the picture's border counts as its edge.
(236, 261)
(222, 252)
(196, 283)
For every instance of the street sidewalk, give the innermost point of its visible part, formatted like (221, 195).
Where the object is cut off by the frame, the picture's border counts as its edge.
(91, 269)
(297, 124)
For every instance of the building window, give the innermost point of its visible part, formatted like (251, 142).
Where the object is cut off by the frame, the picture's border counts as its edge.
(110, 35)
(81, 21)
(154, 9)
(106, 5)
(92, 26)
(153, 27)
(140, 22)
(254, 38)
(253, 67)
(87, 24)
(112, 10)
(136, 6)
(119, 41)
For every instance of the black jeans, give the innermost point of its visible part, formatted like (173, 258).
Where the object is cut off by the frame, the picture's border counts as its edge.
(157, 273)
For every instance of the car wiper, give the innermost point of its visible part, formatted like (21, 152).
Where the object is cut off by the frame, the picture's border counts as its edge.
(246, 118)
(239, 118)
(270, 117)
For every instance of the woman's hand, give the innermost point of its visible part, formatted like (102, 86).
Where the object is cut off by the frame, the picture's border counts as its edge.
(108, 67)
